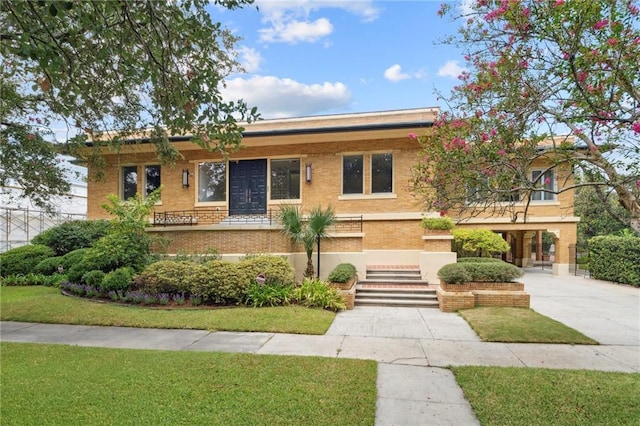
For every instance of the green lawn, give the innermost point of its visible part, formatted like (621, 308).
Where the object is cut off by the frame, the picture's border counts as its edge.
(67, 385)
(533, 396)
(47, 305)
(521, 325)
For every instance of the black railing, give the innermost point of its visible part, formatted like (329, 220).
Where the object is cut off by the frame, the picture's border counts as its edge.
(220, 216)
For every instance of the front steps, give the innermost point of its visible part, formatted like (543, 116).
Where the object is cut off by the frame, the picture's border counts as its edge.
(395, 286)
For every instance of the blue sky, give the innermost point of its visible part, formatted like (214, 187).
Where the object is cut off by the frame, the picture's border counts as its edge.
(313, 57)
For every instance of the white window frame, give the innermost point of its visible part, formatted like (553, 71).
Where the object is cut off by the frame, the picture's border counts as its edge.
(221, 203)
(122, 179)
(270, 184)
(393, 181)
(145, 193)
(544, 194)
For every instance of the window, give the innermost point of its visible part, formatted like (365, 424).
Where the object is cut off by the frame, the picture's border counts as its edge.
(486, 190)
(545, 180)
(129, 182)
(151, 179)
(285, 179)
(352, 174)
(212, 181)
(381, 173)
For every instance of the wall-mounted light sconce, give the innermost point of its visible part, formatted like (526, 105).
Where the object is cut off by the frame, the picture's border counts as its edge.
(185, 178)
(307, 172)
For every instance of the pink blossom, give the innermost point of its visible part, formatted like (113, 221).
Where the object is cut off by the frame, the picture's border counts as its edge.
(638, 183)
(502, 152)
(413, 136)
(633, 9)
(636, 127)
(613, 41)
(443, 213)
(31, 136)
(547, 181)
(558, 3)
(600, 24)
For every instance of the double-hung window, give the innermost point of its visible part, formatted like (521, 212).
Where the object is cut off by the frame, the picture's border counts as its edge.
(381, 173)
(352, 174)
(151, 179)
(212, 182)
(129, 182)
(285, 179)
(546, 181)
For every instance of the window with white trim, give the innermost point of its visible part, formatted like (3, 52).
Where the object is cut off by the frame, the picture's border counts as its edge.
(285, 179)
(545, 180)
(352, 174)
(129, 182)
(212, 182)
(381, 173)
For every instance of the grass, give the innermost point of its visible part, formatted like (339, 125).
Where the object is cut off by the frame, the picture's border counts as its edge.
(62, 385)
(521, 325)
(526, 396)
(47, 305)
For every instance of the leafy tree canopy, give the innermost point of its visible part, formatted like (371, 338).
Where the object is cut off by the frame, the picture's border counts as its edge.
(113, 70)
(547, 82)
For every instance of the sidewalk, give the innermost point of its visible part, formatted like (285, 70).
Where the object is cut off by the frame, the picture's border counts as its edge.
(413, 346)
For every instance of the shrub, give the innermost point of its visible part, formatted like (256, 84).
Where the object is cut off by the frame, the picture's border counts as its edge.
(208, 255)
(165, 276)
(118, 279)
(454, 273)
(118, 249)
(273, 294)
(342, 273)
(318, 294)
(72, 235)
(437, 223)
(94, 278)
(276, 269)
(478, 259)
(48, 266)
(478, 242)
(23, 260)
(615, 259)
(32, 279)
(483, 271)
(219, 282)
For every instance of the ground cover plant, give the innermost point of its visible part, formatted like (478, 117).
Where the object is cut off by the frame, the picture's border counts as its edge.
(62, 385)
(47, 305)
(525, 396)
(520, 325)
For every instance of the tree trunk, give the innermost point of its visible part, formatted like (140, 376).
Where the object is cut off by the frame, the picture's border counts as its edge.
(309, 272)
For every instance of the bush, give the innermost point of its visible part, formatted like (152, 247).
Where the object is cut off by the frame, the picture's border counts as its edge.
(32, 279)
(454, 273)
(72, 235)
(94, 278)
(273, 294)
(342, 273)
(219, 282)
(276, 269)
(615, 259)
(118, 249)
(118, 280)
(165, 276)
(478, 259)
(316, 293)
(483, 271)
(23, 260)
(73, 258)
(437, 223)
(48, 266)
(478, 242)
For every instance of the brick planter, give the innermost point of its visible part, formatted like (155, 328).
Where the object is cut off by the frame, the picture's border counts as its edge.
(453, 297)
(347, 290)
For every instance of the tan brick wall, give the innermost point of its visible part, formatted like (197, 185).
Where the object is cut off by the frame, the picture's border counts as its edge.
(452, 302)
(516, 299)
(225, 241)
(392, 234)
(482, 286)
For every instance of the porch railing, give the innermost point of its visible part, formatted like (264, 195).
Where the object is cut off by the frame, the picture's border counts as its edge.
(213, 217)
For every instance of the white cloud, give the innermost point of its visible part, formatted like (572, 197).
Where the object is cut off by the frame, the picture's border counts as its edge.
(451, 69)
(394, 73)
(283, 97)
(250, 59)
(289, 20)
(296, 31)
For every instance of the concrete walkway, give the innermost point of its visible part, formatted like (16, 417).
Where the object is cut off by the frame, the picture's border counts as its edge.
(412, 346)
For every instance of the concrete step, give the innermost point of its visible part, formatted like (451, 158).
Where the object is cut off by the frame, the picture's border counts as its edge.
(397, 303)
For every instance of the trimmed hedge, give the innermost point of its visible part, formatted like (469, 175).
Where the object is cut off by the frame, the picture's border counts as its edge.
(342, 273)
(615, 259)
(457, 273)
(219, 282)
(276, 269)
(478, 259)
(23, 260)
(73, 235)
(118, 280)
(166, 276)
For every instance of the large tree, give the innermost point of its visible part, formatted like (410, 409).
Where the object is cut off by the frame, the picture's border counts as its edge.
(548, 80)
(114, 70)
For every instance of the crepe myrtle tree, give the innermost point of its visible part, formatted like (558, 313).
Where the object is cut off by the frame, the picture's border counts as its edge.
(112, 71)
(557, 81)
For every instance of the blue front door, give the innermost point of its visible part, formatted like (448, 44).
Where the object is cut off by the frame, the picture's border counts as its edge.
(247, 187)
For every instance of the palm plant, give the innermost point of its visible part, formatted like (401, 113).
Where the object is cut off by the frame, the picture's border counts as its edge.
(306, 232)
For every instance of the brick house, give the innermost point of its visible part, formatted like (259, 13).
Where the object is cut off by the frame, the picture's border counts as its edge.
(360, 164)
